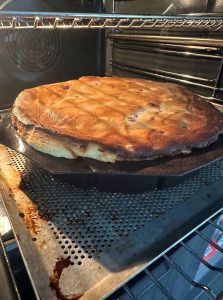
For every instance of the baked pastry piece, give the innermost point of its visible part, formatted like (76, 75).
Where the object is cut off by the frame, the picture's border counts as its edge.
(115, 119)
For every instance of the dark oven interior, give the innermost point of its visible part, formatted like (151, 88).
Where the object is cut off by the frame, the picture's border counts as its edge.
(162, 243)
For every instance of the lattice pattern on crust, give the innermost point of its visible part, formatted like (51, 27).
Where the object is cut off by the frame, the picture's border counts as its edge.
(130, 118)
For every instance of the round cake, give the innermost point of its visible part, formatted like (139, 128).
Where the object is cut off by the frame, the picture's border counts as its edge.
(115, 119)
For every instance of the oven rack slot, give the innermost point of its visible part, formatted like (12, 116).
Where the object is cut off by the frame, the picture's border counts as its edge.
(200, 51)
(161, 74)
(128, 291)
(49, 20)
(176, 42)
(194, 82)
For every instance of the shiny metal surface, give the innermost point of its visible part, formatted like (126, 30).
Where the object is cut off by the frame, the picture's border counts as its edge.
(170, 58)
(159, 74)
(25, 20)
(177, 41)
(106, 236)
(194, 255)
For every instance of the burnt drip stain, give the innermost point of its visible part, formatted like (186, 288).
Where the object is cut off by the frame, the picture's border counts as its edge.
(60, 265)
(31, 215)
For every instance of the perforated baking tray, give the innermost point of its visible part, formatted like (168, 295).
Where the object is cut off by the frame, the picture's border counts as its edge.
(103, 238)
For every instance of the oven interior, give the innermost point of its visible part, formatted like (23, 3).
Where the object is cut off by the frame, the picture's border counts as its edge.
(165, 243)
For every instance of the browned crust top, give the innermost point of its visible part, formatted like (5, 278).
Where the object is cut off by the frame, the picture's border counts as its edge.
(141, 118)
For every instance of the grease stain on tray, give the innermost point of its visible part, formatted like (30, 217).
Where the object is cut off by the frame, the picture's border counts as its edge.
(60, 265)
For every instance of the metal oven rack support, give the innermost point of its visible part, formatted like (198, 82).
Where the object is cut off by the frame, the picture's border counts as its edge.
(199, 48)
(24, 20)
(127, 288)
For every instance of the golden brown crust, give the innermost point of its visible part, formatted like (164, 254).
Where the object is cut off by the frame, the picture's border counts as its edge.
(129, 118)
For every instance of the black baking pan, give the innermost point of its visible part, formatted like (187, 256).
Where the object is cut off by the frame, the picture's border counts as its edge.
(119, 176)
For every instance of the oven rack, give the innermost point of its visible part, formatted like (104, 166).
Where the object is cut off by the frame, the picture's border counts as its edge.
(186, 48)
(49, 20)
(128, 291)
